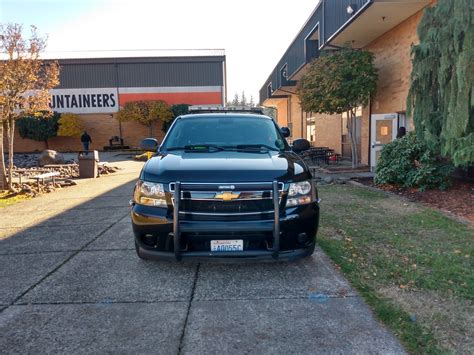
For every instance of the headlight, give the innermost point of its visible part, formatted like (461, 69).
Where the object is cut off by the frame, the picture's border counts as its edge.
(300, 193)
(150, 194)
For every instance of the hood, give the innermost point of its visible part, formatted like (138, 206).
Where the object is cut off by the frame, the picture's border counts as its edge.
(225, 166)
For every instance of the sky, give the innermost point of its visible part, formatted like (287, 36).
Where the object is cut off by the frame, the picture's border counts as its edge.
(254, 33)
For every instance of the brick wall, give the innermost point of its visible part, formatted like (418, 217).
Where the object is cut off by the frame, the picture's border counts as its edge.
(328, 132)
(100, 127)
(298, 125)
(281, 106)
(392, 58)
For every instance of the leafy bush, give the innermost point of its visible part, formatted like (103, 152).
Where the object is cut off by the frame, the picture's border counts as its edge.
(145, 112)
(177, 110)
(409, 163)
(70, 125)
(41, 126)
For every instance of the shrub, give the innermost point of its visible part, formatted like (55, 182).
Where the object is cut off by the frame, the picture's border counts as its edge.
(145, 112)
(41, 126)
(177, 110)
(70, 125)
(408, 162)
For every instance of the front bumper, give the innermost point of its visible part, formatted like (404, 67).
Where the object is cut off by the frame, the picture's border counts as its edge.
(294, 223)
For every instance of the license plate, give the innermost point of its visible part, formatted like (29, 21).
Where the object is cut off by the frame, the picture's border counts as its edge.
(227, 245)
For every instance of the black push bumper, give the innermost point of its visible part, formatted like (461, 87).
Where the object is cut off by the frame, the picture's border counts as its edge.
(293, 221)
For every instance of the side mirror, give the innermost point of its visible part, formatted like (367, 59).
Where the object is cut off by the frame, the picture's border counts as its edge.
(149, 145)
(300, 145)
(285, 131)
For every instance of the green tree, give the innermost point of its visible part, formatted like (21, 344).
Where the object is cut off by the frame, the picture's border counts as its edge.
(337, 83)
(252, 101)
(177, 110)
(40, 127)
(25, 81)
(441, 96)
(70, 125)
(243, 99)
(235, 101)
(145, 112)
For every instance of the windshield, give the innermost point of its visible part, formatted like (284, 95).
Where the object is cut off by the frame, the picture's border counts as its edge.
(225, 132)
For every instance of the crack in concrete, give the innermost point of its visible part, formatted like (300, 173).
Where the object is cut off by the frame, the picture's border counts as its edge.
(183, 332)
(63, 251)
(94, 303)
(180, 301)
(55, 225)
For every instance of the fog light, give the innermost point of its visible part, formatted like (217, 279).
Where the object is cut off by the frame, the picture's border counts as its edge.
(149, 240)
(302, 238)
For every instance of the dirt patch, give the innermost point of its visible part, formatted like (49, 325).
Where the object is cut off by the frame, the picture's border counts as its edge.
(457, 201)
(452, 320)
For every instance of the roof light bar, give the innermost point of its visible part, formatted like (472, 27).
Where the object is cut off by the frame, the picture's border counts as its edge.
(226, 109)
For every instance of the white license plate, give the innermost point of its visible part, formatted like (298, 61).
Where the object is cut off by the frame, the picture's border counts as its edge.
(227, 245)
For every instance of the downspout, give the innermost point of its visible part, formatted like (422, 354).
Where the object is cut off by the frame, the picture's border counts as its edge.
(224, 89)
(117, 86)
(323, 21)
(369, 158)
(288, 114)
(302, 134)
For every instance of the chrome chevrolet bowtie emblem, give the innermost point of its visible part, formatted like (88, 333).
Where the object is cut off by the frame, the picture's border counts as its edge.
(226, 196)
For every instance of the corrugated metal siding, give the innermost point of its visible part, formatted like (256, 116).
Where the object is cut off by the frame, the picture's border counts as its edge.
(295, 55)
(132, 72)
(80, 76)
(331, 15)
(170, 74)
(335, 14)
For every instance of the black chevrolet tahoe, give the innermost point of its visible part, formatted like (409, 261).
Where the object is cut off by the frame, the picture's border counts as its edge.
(225, 186)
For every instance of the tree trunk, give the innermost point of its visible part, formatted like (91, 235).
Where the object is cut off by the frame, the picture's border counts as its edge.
(351, 128)
(3, 172)
(11, 135)
(151, 130)
(46, 143)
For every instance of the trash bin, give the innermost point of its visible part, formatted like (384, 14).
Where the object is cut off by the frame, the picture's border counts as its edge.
(88, 164)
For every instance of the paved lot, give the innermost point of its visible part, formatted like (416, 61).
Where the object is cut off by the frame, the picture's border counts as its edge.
(71, 283)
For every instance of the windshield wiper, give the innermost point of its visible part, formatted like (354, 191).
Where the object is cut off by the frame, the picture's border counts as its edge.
(254, 147)
(198, 148)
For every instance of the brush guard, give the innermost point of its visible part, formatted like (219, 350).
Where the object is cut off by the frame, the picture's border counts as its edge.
(249, 226)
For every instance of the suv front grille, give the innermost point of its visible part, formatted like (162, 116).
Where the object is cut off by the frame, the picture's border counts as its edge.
(252, 202)
(236, 206)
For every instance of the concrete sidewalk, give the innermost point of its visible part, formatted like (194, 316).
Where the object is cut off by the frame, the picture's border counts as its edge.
(71, 282)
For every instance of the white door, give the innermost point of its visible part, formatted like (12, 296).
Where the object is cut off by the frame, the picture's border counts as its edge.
(383, 130)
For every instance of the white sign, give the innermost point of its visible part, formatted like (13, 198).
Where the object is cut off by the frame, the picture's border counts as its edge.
(101, 100)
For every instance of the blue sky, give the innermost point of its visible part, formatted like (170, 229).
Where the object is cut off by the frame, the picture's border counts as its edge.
(254, 33)
(46, 14)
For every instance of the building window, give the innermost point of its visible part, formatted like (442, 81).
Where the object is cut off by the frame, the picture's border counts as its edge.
(404, 121)
(311, 44)
(310, 127)
(284, 75)
(269, 90)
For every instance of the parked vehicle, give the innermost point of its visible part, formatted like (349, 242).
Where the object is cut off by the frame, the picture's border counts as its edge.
(225, 185)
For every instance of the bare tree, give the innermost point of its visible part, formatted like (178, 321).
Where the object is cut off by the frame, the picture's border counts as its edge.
(25, 81)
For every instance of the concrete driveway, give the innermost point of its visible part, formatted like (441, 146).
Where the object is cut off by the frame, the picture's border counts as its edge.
(71, 283)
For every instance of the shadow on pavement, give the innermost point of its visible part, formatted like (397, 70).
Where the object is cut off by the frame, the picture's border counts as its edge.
(72, 283)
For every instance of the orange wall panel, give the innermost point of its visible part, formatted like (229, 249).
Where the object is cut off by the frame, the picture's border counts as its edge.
(191, 98)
